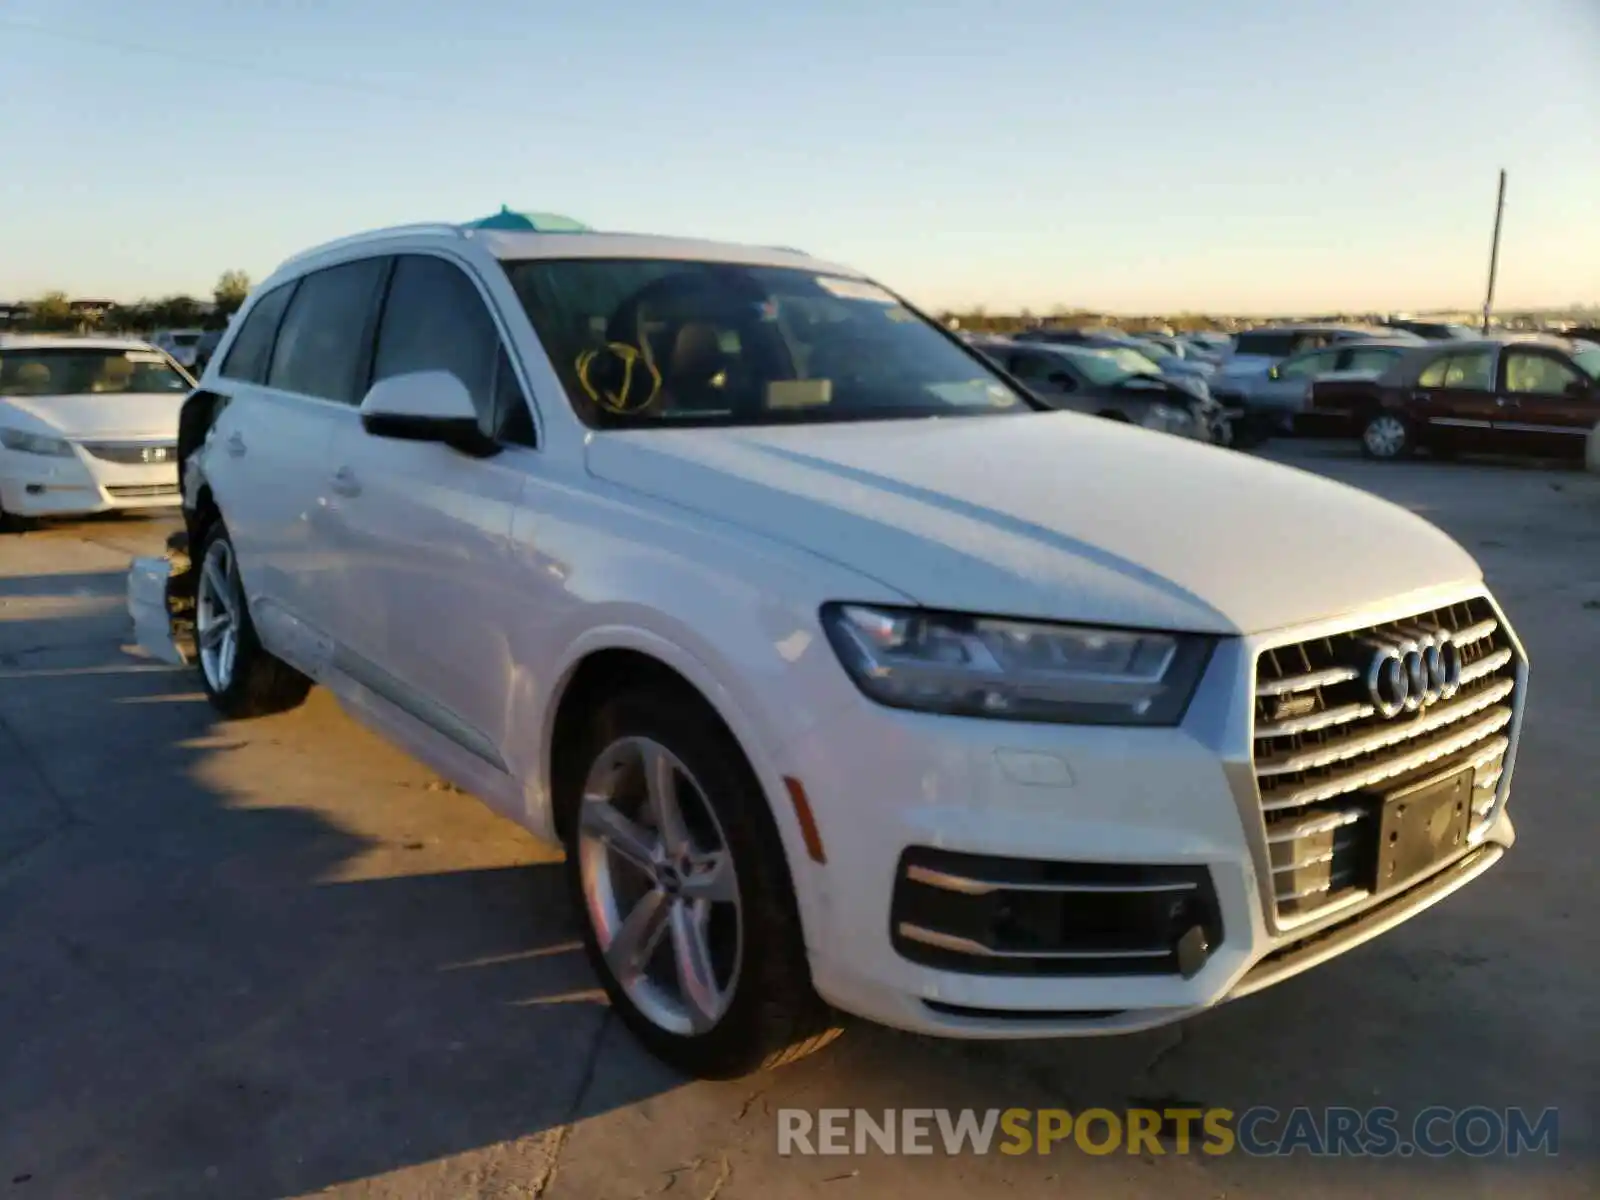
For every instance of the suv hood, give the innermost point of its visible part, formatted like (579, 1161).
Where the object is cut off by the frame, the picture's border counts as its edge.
(104, 415)
(1053, 516)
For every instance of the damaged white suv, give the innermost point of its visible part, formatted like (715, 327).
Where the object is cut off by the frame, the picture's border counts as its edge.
(848, 679)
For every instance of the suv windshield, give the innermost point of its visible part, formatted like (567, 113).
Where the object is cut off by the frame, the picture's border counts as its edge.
(653, 343)
(75, 372)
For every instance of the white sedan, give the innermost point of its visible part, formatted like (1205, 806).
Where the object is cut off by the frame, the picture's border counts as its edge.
(87, 425)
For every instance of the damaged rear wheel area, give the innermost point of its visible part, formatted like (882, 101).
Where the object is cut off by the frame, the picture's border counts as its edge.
(240, 677)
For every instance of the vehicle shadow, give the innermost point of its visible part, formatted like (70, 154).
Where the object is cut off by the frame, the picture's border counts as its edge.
(270, 958)
(216, 981)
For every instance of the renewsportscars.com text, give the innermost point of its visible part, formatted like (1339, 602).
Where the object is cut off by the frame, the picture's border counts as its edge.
(1260, 1131)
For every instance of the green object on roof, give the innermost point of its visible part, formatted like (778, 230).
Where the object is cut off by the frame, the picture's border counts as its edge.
(528, 222)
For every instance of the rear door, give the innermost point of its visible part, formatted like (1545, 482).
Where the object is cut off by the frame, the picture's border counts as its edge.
(321, 350)
(1454, 400)
(1285, 388)
(1547, 406)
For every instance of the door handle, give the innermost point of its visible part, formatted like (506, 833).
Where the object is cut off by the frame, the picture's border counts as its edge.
(345, 483)
(235, 445)
(1420, 397)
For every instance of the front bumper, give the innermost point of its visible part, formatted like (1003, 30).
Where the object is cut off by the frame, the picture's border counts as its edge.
(1165, 805)
(36, 485)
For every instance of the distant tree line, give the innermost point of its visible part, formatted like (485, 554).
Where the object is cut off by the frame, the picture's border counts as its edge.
(55, 312)
(979, 320)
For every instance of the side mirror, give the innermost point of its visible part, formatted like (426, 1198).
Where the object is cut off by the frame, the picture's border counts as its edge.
(1579, 390)
(426, 406)
(1063, 381)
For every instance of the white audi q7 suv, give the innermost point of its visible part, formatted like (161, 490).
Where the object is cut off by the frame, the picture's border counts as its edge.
(848, 678)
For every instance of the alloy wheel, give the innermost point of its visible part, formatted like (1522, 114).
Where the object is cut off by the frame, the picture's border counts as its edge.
(219, 608)
(1385, 436)
(659, 883)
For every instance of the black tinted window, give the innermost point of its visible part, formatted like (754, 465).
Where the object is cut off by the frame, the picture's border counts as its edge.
(1273, 345)
(248, 356)
(321, 345)
(435, 320)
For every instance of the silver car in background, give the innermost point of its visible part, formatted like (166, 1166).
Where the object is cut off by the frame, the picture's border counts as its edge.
(1250, 383)
(1281, 394)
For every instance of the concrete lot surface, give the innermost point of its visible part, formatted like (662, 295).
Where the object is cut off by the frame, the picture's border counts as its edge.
(279, 958)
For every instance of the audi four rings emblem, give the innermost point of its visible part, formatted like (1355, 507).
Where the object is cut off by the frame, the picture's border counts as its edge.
(1421, 668)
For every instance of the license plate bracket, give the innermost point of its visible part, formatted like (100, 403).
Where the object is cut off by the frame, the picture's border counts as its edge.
(1421, 826)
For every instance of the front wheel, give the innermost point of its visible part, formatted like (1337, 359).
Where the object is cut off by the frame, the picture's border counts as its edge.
(1386, 437)
(688, 914)
(241, 679)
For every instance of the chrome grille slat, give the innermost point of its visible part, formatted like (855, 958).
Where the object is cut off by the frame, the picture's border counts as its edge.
(1421, 756)
(1342, 879)
(1312, 860)
(1308, 681)
(1325, 824)
(1485, 666)
(132, 453)
(1390, 734)
(1314, 721)
(1325, 753)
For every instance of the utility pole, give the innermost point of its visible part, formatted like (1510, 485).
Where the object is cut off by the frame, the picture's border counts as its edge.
(1494, 251)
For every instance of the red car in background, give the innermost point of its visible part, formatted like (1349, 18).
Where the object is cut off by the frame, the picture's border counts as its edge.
(1533, 396)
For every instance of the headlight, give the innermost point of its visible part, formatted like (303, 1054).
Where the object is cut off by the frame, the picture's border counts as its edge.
(34, 443)
(1016, 670)
(1165, 418)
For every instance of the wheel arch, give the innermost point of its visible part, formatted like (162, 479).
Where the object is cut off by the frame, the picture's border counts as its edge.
(610, 658)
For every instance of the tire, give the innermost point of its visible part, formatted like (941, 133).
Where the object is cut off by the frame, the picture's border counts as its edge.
(1386, 437)
(708, 886)
(1222, 432)
(241, 679)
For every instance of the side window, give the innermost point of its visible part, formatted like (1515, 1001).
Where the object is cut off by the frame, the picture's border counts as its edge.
(1308, 365)
(436, 320)
(1433, 374)
(1472, 371)
(1034, 368)
(1368, 358)
(1535, 374)
(1311, 341)
(252, 349)
(513, 419)
(322, 344)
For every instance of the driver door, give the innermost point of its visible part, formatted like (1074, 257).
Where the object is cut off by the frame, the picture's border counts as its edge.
(421, 532)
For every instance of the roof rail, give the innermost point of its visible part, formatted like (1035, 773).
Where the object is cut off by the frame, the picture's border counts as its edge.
(379, 235)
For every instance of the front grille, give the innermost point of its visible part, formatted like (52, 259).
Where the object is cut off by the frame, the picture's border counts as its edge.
(133, 453)
(1325, 754)
(983, 915)
(129, 491)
